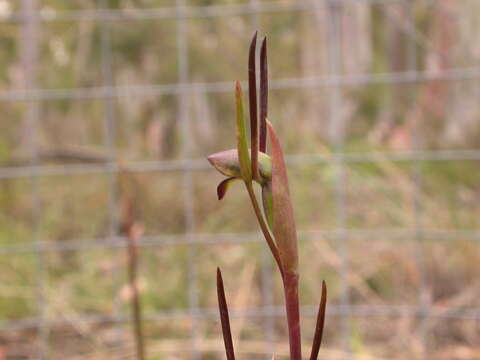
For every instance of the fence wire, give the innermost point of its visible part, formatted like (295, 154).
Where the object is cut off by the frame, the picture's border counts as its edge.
(184, 86)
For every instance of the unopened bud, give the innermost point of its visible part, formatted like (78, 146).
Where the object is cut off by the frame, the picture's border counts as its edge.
(226, 162)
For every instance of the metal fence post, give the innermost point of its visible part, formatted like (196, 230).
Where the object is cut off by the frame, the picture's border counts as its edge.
(29, 60)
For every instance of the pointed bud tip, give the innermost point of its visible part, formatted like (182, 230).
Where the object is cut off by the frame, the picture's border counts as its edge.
(238, 87)
(219, 278)
(264, 43)
(226, 162)
(210, 159)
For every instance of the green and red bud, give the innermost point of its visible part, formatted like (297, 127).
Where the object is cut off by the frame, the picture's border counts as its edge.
(227, 163)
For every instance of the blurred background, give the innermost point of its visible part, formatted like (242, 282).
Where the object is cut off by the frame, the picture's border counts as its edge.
(377, 105)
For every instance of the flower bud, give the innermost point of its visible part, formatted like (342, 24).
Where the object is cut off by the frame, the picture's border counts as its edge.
(226, 162)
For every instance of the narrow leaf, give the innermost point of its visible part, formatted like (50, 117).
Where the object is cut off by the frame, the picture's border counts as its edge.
(283, 221)
(317, 338)
(252, 95)
(224, 186)
(242, 144)
(263, 96)
(225, 319)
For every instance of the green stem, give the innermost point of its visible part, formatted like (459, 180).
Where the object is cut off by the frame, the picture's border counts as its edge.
(264, 226)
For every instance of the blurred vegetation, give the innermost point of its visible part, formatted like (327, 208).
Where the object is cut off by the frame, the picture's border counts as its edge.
(380, 116)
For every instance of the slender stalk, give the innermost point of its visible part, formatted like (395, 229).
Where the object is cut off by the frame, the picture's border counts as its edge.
(264, 226)
(135, 301)
(290, 285)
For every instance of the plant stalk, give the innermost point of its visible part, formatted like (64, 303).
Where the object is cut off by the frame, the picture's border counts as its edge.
(290, 285)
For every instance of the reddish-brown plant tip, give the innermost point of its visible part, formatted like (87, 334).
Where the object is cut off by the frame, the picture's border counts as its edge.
(252, 95)
(317, 338)
(263, 96)
(224, 317)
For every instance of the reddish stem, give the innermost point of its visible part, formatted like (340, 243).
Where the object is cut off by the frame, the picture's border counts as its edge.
(290, 285)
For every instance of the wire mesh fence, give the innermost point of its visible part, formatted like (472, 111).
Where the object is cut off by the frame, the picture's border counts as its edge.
(420, 69)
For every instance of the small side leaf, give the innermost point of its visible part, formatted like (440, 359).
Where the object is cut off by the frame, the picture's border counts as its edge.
(283, 221)
(242, 143)
(223, 187)
(225, 319)
(317, 338)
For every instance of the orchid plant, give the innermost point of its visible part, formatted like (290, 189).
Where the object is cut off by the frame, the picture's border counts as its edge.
(277, 222)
